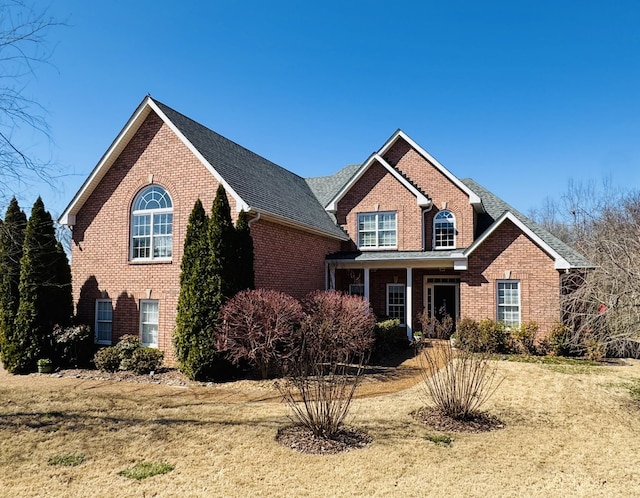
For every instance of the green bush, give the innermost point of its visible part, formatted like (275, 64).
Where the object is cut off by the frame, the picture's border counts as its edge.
(521, 339)
(558, 342)
(126, 346)
(129, 354)
(145, 360)
(107, 359)
(389, 338)
(485, 336)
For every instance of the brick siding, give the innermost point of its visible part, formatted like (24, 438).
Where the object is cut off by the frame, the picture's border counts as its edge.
(101, 237)
(439, 189)
(509, 254)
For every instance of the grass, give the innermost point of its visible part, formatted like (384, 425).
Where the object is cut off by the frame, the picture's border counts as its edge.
(562, 437)
(70, 460)
(143, 470)
(440, 439)
(634, 389)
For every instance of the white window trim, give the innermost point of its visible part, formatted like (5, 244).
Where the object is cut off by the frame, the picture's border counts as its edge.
(377, 247)
(435, 220)
(152, 213)
(502, 281)
(404, 290)
(95, 329)
(149, 344)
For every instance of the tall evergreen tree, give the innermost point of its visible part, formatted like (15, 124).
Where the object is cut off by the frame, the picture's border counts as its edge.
(244, 254)
(192, 335)
(11, 242)
(222, 252)
(43, 296)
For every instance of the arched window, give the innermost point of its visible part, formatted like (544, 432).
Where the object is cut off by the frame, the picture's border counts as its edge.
(444, 230)
(152, 224)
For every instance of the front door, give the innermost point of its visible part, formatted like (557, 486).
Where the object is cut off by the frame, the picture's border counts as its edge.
(444, 301)
(441, 296)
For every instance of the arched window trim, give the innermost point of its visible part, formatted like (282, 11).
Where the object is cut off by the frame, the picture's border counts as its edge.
(444, 230)
(151, 233)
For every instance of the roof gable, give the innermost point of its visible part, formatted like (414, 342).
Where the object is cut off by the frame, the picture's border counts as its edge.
(255, 183)
(421, 198)
(565, 256)
(401, 135)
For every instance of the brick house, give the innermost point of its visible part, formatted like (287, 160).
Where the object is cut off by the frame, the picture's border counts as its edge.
(399, 228)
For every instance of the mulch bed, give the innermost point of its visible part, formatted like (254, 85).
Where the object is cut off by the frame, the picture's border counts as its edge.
(434, 418)
(301, 439)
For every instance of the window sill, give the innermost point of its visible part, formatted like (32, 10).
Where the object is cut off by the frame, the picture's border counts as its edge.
(367, 249)
(150, 261)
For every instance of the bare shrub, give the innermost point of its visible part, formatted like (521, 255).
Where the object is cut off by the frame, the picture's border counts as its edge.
(457, 382)
(261, 327)
(436, 329)
(337, 336)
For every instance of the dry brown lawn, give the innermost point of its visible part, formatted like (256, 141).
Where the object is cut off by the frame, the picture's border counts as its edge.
(569, 431)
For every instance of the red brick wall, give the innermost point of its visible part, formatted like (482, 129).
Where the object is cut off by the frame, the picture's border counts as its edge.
(378, 190)
(290, 260)
(509, 254)
(100, 253)
(438, 187)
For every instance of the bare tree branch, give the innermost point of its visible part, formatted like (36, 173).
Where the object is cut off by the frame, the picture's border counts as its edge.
(23, 48)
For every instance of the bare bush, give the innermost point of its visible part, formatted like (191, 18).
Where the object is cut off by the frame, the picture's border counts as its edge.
(436, 329)
(457, 382)
(261, 327)
(337, 336)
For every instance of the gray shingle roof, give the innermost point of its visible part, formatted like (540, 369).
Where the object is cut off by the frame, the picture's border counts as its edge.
(263, 185)
(394, 255)
(496, 207)
(326, 188)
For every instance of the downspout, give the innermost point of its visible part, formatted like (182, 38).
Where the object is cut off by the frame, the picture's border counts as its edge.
(424, 233)
(253, 220)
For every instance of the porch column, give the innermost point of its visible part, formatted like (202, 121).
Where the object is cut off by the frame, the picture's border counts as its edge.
(366, 283)
(331, 274)
(409, 303)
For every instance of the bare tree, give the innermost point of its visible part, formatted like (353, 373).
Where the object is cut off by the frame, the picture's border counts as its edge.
(601, 305)
(23, 47)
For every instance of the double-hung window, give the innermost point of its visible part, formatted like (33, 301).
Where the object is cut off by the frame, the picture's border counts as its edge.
(508, 300)
(149, 323)
(104, 321)
(444, 230)
(152, 225)
(377, 230)
(396, 302)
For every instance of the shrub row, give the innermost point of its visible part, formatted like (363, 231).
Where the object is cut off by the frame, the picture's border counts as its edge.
(491, 336)
(129, 354)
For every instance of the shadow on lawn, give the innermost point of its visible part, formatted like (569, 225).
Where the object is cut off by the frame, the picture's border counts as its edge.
(66, 421)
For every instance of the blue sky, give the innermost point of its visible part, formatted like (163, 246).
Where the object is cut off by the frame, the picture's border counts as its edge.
(522, 96)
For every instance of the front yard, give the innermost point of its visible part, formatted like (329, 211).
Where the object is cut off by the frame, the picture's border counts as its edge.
(569, 431)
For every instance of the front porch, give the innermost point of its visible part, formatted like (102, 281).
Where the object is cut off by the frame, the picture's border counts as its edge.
(401, 284)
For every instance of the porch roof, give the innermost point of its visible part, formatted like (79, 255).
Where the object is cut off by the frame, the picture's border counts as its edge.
(446, 258)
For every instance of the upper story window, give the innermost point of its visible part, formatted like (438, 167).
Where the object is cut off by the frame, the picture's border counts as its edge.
(152, 224)
(444, 230)
(377, 230)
